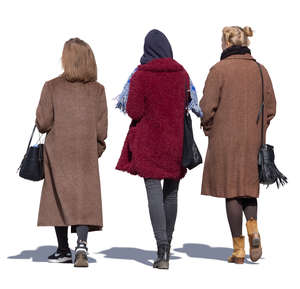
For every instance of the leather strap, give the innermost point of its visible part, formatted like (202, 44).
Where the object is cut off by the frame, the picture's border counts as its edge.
(187, 94)
(262, 106)
(31, 138)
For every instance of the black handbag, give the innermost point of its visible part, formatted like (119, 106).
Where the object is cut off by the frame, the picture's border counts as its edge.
(32, 165)
(191, 156)
(267, 170)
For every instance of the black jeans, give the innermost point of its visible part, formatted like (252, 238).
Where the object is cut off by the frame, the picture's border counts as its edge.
(162, 204)
(62, 235)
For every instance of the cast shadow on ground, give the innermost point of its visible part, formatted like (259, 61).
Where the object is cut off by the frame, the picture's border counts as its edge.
(142, 256)
(41, 254)
(206, 252)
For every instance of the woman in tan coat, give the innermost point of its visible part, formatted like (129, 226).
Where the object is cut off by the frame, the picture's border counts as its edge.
(230, 104)
(72, 112)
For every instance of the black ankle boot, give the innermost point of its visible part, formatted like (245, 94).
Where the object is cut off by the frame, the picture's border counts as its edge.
(163, 256)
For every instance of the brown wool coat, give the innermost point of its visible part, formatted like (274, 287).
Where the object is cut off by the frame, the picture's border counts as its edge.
(230, 104)
(74, 116)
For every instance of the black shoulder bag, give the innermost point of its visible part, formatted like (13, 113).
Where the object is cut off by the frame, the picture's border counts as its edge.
(268, 172)
(31, 167)
(191, 156)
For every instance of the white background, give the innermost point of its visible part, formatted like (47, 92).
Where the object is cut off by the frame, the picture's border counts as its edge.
(32, 38)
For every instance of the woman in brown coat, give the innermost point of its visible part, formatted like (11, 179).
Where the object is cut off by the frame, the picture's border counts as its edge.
(230, 105)
(72, 112)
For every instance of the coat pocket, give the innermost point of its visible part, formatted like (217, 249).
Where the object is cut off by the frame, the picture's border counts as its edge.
(130, 142)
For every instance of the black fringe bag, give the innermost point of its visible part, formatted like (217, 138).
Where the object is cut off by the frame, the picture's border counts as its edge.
(267, 170)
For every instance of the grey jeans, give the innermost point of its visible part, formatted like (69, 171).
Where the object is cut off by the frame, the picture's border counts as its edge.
(162, 204)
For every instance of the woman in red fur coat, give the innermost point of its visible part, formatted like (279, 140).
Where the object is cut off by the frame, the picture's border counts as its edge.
(155, 99)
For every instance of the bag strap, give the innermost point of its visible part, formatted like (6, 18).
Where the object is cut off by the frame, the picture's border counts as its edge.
(31, 138)
(262, 106)
(187, 93)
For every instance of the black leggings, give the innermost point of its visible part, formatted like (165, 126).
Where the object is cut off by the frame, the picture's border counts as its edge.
(62, 235)
(162, 204)
(235, 208)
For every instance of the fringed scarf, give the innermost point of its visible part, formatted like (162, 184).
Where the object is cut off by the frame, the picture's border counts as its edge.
(123, 96)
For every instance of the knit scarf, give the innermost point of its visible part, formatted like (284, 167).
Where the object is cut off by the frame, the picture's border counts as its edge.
(235, 49)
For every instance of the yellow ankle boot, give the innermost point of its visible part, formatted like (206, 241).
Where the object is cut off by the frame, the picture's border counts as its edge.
(254, 240)
(238, 254)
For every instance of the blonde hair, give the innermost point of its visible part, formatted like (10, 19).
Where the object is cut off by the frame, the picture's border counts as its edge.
(78, 61)
(236, 35)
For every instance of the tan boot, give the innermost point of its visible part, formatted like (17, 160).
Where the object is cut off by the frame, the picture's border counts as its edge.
(238, 254)
(254, 240)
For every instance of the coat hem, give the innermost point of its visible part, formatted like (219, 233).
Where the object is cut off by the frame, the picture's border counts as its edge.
(160, 177)
(73, 226)
(230, 196)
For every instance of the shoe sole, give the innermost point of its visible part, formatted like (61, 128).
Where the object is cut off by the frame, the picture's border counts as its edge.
(81, 260)
(255, 250)
(61, 261)
(162, 265)
(236, 260)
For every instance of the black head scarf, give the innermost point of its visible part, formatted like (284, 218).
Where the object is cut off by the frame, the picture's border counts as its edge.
(156, 45)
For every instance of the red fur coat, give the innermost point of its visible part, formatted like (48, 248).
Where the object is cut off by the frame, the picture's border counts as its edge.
(156, 101)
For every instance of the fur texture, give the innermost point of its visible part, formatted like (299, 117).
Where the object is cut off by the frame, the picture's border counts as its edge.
(193, 105)
(156, 101)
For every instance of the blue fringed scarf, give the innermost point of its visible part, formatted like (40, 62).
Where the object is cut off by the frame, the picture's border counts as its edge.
(193, 105)
(123, 97)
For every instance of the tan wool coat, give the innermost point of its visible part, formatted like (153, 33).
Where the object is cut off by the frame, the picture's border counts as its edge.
(74, 116)
(231, 101)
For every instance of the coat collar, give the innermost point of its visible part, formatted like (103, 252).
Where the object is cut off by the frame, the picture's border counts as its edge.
(161, 65)
(246, 56)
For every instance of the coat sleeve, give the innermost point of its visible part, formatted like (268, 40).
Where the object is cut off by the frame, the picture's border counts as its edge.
(102, 121)
(44, 113)
(270, 100)
(210, 100)
(135, 103)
